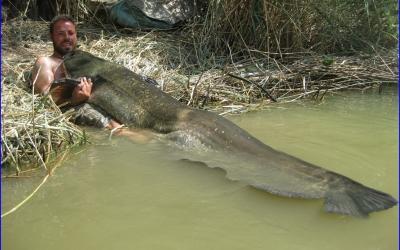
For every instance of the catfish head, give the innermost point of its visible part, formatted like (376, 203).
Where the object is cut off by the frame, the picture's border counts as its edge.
(79, 63)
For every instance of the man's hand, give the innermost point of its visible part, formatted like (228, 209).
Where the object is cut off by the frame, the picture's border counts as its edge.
(82, 91)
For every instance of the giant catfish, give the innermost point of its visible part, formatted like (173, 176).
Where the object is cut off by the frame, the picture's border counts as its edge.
(126, 97)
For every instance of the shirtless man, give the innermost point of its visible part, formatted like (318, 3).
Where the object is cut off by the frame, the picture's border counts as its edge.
(50, 68)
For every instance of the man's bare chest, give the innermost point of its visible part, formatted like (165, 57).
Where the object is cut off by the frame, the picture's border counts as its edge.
(59, 70)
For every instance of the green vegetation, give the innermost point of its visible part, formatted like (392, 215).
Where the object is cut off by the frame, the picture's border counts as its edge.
(279, 27)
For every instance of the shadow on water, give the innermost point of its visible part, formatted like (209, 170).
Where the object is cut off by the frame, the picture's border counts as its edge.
(213, 172)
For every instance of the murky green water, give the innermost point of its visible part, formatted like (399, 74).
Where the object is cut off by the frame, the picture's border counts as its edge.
(120, 195)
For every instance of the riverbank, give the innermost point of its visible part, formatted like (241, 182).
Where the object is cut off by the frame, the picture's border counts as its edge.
(223, 84)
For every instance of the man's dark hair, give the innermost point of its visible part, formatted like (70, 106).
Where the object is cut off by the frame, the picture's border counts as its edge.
(60, 18)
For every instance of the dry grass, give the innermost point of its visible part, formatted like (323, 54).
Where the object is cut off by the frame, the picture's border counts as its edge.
(33, 129)
(203, 79)
(34, 132)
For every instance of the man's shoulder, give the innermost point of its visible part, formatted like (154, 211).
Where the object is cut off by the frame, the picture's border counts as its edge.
(48, 62)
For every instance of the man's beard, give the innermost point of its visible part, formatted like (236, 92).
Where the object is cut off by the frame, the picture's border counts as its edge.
(63, 51)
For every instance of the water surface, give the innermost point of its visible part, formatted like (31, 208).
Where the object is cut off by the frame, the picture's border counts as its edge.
(121, 195)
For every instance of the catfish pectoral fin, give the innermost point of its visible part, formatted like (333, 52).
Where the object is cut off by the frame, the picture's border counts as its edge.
(356, 199)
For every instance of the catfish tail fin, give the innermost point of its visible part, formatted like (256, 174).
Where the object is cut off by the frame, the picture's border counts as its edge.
(356, 199)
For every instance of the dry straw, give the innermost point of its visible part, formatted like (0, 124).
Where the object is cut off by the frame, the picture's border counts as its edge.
(34, 132)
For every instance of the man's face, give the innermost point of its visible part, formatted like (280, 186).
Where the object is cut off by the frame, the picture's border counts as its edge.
(64, 37)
